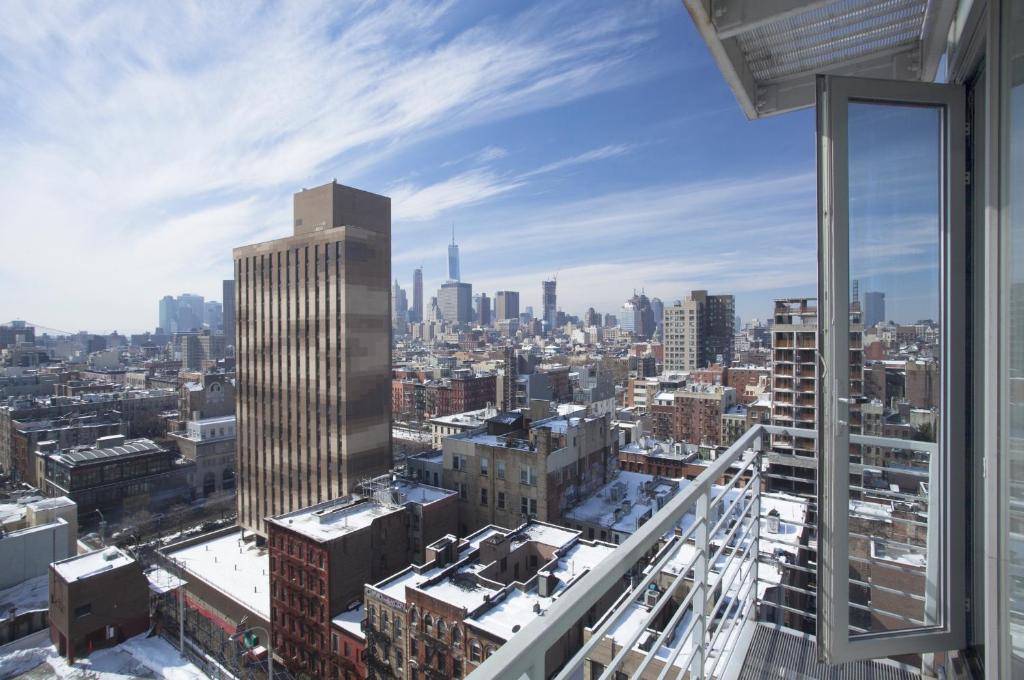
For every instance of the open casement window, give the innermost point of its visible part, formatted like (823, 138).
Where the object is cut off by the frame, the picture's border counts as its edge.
(891, 492)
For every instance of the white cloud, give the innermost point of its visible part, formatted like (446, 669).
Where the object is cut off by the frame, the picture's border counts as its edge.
(136, 137)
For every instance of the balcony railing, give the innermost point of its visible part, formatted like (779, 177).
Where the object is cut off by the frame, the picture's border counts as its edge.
(715, 580)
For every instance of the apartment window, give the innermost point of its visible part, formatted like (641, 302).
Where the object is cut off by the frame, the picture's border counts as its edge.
(462, 491)
(484, 463)
(891, 189)
(483, 496)
(474, 651)
(527, 475)
(501, 500)
(500, 469)
(524, 504)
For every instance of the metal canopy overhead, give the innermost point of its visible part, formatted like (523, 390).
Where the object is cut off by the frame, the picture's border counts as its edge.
(770, 50)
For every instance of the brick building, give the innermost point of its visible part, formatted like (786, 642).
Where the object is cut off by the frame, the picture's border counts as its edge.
(692, 414)
(443, 618)
(321, 557)
(512, 469)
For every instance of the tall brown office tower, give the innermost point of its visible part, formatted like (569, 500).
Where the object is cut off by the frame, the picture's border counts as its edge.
(314, 354)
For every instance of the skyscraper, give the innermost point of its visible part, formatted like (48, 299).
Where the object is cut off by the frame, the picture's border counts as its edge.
(399, 309)
(168, 314)
(229, 311)
(417, 295)
(550, 303)
(874, 309)
(658, 313)
(314, 355)
(191, 312)
(213, 315)
(453, 259)
(506, 305)
(455, 300)
(483, 309)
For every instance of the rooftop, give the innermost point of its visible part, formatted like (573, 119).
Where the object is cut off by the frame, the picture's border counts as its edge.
(625, 502)
(92, 563)
(88, 455)
(233, 566)
(332, 519)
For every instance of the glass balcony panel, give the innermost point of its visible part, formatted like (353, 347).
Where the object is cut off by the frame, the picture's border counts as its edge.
(895, 178)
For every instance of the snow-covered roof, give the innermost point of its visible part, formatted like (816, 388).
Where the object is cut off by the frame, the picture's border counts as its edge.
(92, 563)
(622, 503)
(351, 622)
(31, 594)
(233, 566)
(162, 581)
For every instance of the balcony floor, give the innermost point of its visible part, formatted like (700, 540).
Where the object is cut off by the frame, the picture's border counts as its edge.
(776, 652)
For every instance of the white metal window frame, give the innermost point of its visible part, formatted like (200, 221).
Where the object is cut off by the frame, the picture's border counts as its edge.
(946, 556)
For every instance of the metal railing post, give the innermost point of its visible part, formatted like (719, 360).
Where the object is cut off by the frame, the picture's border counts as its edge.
(701, 573)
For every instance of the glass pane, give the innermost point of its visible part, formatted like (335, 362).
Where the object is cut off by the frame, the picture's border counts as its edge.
(1014, 36)
(895, 157)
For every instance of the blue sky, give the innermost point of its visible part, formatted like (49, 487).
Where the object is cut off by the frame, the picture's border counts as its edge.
(142, 141)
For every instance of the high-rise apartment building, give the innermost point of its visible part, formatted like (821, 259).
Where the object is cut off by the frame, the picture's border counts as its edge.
(699, 331)
(191, 312)
(506, 305)
(455, 301)
(795, 385)
(314, 355)
(874, 308)
(417, 295)
(453, 260)
(229, 311)
(550, 303)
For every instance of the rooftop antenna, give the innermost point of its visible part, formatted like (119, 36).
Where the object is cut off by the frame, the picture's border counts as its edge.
(453, 233)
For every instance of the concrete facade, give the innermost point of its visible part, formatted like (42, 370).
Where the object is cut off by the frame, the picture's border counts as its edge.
(313, 354)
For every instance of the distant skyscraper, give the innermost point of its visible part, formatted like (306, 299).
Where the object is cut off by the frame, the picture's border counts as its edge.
(314, 355)
(191, 311)
(417, 295)
(453, 259)
(229, 311)
(455, 300)
(658, 312)
(550, 303)
(637, 316)
(528, 312)
(591, 318)
(399, 309)
(483, 309)
(168, 314)
(874, 309)
(213, 315)
(506, 305)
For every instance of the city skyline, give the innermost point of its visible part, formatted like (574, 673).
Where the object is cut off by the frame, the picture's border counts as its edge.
(461, 121)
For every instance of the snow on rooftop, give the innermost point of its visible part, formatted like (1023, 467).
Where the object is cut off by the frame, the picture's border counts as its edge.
(237, 568)
(548, 534)
(351, 622)
(579, 558)
(514, 609)
(868, 510)
(162, 581)
(600, 507)
(330, 520)
(460, 589)
(31, 594)
(90, 564)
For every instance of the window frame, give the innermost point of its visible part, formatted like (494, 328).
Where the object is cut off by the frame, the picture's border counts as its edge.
(947, 481)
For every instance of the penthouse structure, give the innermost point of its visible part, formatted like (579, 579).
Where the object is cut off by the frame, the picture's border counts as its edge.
(313, 354)
(321, 557)
(445, 617)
